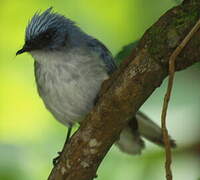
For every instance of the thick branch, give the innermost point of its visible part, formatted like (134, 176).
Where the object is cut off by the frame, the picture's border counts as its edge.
(127, 90)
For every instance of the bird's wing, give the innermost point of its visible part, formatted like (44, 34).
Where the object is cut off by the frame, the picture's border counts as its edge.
(104, 54)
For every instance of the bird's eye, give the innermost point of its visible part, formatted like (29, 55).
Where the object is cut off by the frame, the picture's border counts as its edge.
(47, 36)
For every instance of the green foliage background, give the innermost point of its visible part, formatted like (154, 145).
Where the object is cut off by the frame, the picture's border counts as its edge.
(29, 135)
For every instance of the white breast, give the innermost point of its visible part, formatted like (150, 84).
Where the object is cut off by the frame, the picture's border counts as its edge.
(68, 83)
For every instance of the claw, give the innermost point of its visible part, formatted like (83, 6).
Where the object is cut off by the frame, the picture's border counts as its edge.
(56, 159)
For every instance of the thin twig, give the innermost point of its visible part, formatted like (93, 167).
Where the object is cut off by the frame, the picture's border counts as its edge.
(168, 95)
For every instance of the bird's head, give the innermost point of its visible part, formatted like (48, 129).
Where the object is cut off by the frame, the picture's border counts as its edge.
(48, 31)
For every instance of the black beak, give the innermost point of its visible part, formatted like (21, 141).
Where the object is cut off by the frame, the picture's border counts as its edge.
(20, 51)
(24, 49)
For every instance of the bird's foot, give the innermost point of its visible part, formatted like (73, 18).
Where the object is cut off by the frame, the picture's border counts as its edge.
(56, 159)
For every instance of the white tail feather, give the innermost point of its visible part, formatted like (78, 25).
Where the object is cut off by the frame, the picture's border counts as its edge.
(130, 142)
(130, 138)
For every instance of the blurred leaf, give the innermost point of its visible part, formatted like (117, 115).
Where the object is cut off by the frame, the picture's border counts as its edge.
(125, 52)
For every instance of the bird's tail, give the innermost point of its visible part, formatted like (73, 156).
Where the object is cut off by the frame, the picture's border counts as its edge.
(130, 138)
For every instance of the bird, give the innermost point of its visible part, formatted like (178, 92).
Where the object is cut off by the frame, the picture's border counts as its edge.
(70, 67)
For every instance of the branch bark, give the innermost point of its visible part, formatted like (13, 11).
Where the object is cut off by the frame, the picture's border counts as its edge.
(127, 89)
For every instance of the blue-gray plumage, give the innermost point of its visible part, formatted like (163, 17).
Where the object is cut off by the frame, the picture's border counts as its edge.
(70, 67)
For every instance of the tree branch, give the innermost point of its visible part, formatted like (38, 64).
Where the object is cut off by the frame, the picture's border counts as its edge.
(127, 89)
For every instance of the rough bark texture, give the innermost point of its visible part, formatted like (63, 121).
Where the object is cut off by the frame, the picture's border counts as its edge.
(124, 93)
